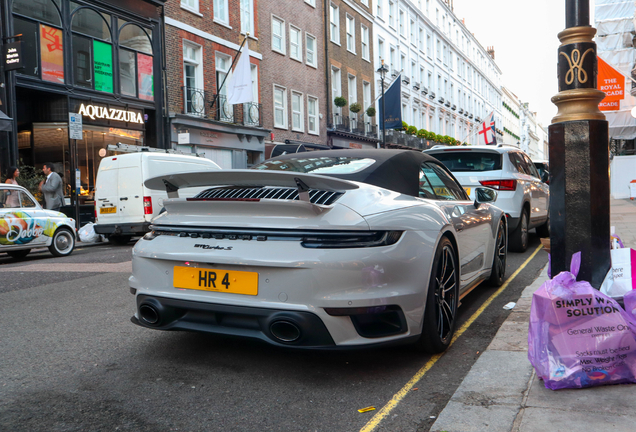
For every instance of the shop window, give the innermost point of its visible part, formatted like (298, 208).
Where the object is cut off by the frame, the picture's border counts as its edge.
(52, 54)
(135, 66)
(46, 11)
(92, 55)
(30, 36)
(91, 23)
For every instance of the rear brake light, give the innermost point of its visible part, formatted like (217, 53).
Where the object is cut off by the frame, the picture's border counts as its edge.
(147, 205)
(352, 240)
(501, 185)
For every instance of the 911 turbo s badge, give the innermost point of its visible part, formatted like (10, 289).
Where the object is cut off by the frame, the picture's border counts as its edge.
(204, 246)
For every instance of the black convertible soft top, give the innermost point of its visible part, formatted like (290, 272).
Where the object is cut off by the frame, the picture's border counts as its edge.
(396, 170)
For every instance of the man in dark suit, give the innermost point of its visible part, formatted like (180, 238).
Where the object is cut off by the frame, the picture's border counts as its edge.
(51, 188)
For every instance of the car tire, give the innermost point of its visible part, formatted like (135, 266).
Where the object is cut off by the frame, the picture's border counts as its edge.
(498, 271)
(543, 231)
(63, 242)
(518, 241)
(442, 300)
(120, 240)
(19, 254)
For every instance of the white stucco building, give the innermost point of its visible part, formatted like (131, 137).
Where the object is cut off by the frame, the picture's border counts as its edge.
(510, 110)
(529, 137)
(450, 82)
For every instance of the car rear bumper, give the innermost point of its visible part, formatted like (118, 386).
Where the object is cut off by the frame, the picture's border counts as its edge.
(278, 327)
(123, 229)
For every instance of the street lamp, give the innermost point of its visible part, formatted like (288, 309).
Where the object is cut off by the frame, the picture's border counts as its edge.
(383, 71)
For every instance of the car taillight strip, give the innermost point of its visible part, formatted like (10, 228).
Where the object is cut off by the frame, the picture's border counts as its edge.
(316, 196)
(307, 239)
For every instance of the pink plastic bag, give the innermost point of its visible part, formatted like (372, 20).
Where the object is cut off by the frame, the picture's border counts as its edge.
(579, 337)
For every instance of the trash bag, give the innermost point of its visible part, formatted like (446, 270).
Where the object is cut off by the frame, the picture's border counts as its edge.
(87, 233)
(578, 336)
(621, 278)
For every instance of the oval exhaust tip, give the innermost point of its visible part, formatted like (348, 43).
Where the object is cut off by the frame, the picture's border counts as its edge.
(285, 331)
(149, 314)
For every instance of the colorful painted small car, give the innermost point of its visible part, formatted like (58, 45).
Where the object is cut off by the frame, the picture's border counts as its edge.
(25, 225)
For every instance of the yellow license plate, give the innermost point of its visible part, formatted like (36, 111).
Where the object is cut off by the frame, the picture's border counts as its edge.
(467, 191)
(103, 210)
(235, 282)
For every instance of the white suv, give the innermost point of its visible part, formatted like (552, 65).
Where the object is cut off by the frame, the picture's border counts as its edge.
(522, 195)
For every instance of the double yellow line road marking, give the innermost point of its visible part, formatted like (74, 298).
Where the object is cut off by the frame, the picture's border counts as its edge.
(397, 398)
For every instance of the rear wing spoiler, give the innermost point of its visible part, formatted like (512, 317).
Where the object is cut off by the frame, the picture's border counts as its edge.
(171, 183)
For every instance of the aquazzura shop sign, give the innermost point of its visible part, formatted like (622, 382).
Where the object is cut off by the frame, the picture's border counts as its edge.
(99, 112)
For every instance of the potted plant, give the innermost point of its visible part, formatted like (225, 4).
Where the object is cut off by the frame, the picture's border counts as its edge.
(371, 112)
(411, 130)
(422, 133)
(339, 101)
(355, 107)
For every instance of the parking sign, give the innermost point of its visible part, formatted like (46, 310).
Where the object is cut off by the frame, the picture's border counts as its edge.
(75, 126)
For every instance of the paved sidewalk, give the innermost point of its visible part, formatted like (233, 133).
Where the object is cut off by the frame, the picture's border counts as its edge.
(501, 393)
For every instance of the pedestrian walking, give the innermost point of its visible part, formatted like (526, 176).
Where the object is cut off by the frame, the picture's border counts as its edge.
(51, 188)
(12, 198)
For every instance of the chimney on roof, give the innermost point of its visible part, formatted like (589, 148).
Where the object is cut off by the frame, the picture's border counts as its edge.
(491, 51)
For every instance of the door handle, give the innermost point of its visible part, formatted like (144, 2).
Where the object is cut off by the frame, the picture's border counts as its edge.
(123, 199)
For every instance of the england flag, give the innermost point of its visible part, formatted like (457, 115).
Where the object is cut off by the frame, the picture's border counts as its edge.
(487, 129)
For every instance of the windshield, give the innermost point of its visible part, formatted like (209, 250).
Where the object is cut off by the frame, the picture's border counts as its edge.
(460, 161)
(318, 165)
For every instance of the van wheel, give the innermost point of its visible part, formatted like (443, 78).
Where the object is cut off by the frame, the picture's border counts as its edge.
(63, 242)
(121, 240)
(20, 254)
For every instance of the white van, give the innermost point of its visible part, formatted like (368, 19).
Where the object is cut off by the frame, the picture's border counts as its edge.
(124, 207)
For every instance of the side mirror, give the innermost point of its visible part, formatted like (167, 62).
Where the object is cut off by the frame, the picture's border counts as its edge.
(545, 177)
(484, 195)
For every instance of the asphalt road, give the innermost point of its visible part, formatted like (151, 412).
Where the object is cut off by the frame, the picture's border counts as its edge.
(71, 360)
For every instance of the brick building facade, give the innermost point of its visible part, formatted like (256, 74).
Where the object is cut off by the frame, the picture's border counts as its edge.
(293, 88)
(202, 40)
(349, 36)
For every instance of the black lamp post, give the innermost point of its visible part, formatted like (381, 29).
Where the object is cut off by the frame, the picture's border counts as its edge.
(579, 154)
(383, 71)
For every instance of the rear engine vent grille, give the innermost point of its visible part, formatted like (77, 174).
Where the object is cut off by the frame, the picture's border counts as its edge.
(316, 196)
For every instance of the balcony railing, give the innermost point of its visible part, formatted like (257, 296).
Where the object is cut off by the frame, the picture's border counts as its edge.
(353, 125)
(401, 139)
(198, 102)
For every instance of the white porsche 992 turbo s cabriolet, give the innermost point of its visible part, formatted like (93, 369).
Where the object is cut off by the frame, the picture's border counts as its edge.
(329, 249)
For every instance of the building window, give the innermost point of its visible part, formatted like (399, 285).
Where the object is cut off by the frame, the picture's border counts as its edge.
(392, 14)
(295, 43)
(278, 35)
(297, 112)
(310, 50)
(413, 41)
(334, 24)
(336, 88)
(92, 50)
(366, 99)
(220, 11)
(429, 45)
(402, 29)
(311, 2)
(353, 93)
(439, 50)
(312, 115)
(421, 40)
(194, 99)
(365, 2)
(392, 58)
(136, 62)
(379, 8)
(247, 16)
(364, 41)
(351, 34)
(225, 110)
(402, 63)
(280, 107)
(380, 51)
(192, 5)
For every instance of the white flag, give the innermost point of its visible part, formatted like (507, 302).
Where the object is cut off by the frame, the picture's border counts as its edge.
(239, 88)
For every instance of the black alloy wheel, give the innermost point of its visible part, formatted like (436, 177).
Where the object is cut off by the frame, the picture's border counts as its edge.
(442, 301)
(519, 238)
(498, 272)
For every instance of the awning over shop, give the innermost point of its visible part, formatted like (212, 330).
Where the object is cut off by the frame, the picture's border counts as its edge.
(6, 123)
